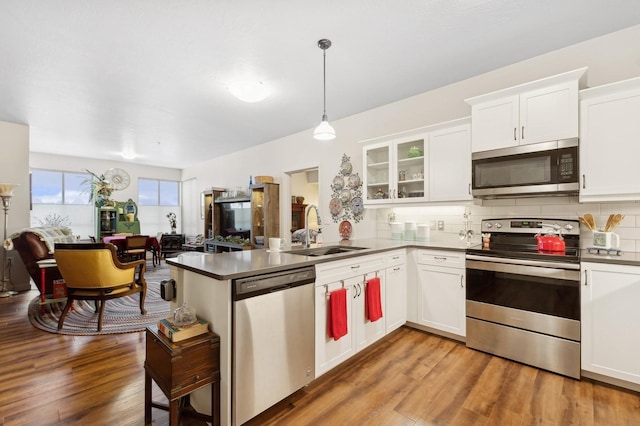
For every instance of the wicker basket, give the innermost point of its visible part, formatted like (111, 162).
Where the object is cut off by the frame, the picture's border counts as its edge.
(263, 179)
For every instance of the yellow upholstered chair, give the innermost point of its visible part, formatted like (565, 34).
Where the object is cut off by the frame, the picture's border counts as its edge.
(93, 272)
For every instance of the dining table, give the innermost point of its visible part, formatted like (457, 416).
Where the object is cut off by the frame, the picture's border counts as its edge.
(153, 245)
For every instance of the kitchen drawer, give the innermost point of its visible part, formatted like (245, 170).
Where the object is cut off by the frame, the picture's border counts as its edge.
(183, 366)
(396, 257)
(342, 269)
(448, 258)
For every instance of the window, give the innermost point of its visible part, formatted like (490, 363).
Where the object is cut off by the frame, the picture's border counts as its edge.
(153, 192)
(56, 187)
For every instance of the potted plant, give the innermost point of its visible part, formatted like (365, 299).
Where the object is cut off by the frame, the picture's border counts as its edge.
(172, 222)
(99, 189)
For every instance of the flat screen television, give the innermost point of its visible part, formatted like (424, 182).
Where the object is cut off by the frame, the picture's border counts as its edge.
(235, 219)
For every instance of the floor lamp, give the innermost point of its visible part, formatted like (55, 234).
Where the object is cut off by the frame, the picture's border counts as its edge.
(6, 192)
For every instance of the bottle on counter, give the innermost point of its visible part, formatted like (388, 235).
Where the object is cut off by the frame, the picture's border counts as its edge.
(319, 241)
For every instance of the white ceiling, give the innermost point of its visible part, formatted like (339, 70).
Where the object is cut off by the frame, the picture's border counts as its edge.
(98, 78)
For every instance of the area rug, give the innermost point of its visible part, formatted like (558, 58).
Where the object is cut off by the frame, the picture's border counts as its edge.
(121, 315)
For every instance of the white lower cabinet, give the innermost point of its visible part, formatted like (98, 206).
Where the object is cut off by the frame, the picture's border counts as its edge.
(610, 320)
(329, 352)
(365, 331)
(395, 306)
(361, 332)
(441, 291)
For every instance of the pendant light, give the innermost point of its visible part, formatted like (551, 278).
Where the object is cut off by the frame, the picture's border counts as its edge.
(324, 131)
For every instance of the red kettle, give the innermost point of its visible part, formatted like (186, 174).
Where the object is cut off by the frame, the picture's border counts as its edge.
(551, 242)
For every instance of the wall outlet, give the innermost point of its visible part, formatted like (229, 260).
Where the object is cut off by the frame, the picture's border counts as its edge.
(441, 225)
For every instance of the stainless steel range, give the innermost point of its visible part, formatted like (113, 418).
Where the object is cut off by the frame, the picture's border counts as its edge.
(523, 303)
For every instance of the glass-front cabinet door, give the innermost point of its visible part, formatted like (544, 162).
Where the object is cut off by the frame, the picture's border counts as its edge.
(377, 173)
(395, 171)
(410, 156)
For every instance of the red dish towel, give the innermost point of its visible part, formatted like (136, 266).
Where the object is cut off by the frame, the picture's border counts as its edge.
(373, 304)
(337, 314)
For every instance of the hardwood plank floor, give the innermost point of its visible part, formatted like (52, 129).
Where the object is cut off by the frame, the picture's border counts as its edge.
(408, 378)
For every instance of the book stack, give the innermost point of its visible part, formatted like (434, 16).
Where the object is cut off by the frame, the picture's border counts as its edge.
(176, 334)
(59, 289)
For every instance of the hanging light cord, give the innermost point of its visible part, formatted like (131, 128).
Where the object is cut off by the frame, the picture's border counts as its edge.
(324, 84)
(324, 44)
(324, 131)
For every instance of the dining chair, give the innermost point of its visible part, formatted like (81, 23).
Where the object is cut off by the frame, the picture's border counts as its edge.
(94, 272)
(135, 247)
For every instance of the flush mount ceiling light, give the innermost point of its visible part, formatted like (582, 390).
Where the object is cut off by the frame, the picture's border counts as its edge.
(250, 91)
(324, 131)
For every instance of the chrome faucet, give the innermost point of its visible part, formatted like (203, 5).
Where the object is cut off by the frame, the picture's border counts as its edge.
(311, 206)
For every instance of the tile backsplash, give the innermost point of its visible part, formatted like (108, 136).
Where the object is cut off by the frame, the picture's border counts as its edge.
(546, 207)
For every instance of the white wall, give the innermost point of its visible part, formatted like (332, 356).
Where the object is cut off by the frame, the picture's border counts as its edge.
(610, 58)
(152, 218)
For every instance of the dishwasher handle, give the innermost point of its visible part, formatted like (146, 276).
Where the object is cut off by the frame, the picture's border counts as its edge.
(280, 288)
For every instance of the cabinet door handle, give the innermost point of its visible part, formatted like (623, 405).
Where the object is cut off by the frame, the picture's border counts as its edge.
(396, 257)
(469, 189)
(396, 269)
(515, 129)
(585, 277)
(439, 258)
(584, 182)
(522, 134)
(355, 267)
(461, 281)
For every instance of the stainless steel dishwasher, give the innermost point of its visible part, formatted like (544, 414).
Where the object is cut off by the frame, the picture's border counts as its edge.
(273, 339)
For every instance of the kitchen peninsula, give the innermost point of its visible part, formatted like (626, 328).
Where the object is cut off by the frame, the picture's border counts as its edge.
(205, 281)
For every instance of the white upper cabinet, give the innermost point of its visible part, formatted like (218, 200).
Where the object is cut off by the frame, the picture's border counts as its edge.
(609, 148)
(450, 162)
(427, 164)
(539, 111)
(495, 124)
(395, 170)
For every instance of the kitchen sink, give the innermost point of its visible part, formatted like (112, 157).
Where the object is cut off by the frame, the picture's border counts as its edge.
(324, 251)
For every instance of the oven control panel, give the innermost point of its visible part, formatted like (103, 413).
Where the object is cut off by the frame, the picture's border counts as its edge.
(531, 226)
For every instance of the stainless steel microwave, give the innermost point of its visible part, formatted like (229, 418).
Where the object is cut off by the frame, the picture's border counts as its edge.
(541, 169)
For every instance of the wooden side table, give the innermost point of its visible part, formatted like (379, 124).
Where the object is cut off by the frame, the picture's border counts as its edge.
(44, 265)
(180, 368)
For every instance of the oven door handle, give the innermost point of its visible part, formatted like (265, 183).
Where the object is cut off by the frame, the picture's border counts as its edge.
(524, 262)
(520, 269)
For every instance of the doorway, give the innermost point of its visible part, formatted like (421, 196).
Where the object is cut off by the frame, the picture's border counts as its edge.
(303, 192)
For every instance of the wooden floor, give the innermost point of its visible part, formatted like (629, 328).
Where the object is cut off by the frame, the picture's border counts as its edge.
(409, 378)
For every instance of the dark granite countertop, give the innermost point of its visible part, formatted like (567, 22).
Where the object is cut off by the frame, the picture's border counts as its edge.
(247, 263)
(625, 258)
